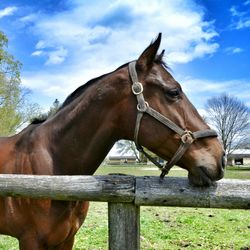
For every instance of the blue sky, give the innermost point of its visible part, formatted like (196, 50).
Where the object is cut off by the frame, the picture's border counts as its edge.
(62, 44)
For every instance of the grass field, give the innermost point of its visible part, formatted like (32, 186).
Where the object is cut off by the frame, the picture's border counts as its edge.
(166, 228)
(231, 172)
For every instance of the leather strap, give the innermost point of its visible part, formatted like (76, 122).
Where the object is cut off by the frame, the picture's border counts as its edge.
(187, 137)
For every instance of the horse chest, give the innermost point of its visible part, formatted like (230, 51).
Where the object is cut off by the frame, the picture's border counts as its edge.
(54, 221)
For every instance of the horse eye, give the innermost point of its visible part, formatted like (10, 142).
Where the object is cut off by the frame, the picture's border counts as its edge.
(174, 93)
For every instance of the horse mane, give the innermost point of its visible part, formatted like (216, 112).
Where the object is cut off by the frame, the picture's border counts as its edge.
(76, 93)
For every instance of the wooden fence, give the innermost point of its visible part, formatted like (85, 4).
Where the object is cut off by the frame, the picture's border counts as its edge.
(125, 195)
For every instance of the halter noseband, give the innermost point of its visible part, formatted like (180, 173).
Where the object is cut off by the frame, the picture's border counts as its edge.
(187, 137)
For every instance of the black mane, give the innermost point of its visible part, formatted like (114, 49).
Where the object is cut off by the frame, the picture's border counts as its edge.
(76, 93)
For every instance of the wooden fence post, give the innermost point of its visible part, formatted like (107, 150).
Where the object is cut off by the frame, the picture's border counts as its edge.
(124, 226)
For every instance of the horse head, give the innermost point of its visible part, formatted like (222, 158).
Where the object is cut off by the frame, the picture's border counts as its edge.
(168, 124)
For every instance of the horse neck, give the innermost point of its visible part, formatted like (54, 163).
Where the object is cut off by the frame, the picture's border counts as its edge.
(82, 133)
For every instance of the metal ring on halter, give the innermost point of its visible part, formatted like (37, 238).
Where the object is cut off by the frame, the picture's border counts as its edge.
(137, 88)
(142, 109)
(187, 137)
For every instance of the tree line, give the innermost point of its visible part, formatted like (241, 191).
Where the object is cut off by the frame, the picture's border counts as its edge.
(230, 117)
(15, 107)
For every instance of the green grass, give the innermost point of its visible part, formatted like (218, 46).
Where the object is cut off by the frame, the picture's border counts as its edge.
(238, 172)
(164, 228)
(141, 170)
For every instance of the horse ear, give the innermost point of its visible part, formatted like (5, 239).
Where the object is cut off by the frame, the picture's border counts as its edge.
(146, 59)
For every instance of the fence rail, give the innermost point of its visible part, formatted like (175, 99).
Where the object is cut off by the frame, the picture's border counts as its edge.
(125, 195)
(171, 191)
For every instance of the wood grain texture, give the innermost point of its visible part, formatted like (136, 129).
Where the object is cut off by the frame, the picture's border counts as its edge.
(124, 226)
(178, 192)
(94, 188)
(153, 191)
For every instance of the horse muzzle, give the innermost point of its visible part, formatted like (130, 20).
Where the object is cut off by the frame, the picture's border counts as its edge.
(207, 175)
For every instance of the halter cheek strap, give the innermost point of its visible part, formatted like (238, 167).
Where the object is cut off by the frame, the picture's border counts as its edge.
(186, 137)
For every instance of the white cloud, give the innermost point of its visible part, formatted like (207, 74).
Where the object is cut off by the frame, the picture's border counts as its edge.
(243, 24)
(187, 35)
(235, 12)
(237, 50)
(241, 19)
(88, 40)
(234, 50)
(198, 51)
(41, 44)
(247, 2)
(57, 56)
(60, 85)
(54, 56)
(28, 19)
(8, 11)
(48, 84)
(198, 86)
(37, 53)
(199, 90)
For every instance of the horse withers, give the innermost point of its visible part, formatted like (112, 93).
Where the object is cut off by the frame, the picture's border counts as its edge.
(139, 101)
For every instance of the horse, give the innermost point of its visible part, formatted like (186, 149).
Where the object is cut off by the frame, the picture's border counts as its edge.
(139, 101)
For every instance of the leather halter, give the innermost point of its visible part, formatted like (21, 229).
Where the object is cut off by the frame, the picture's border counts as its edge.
(186, 137)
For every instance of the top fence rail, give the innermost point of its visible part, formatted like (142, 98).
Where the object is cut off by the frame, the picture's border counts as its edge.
(171, 191)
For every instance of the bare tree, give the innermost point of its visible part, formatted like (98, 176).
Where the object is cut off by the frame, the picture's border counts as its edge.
(230, 117)
(125, 147)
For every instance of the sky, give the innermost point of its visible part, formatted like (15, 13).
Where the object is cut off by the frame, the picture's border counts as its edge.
(62, 44)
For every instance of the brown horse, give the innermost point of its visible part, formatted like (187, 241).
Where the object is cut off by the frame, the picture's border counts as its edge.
(78, 137)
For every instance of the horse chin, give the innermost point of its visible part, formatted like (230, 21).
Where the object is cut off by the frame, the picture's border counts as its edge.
(202, 177)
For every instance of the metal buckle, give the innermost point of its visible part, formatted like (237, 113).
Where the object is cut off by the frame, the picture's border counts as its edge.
(144, 108)
(187, 137)
(137, 88)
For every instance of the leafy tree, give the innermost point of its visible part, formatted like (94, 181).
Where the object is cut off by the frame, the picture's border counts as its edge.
(230, 117)
(9, 67)
(15, 109)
